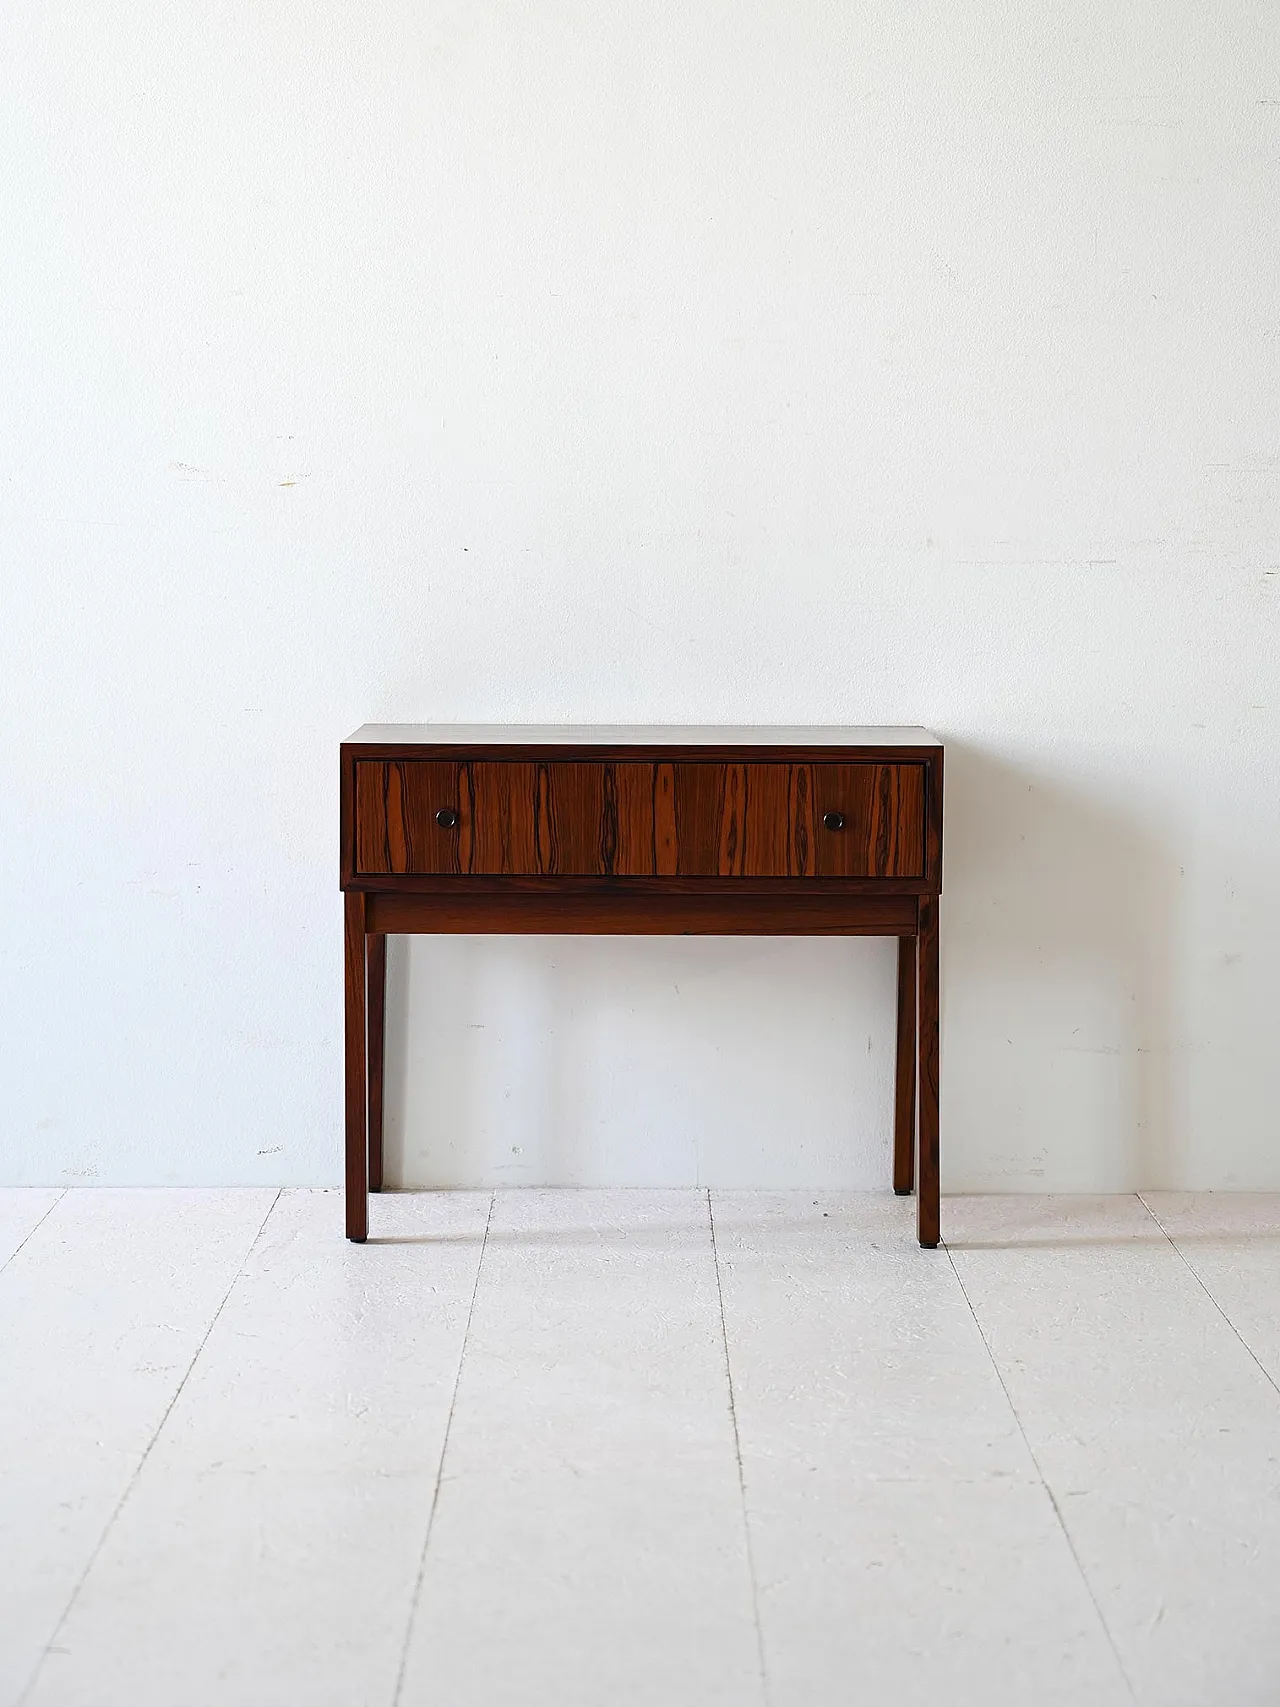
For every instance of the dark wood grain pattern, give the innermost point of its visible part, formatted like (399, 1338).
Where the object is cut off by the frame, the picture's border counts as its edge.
(478, 884)
(347, 862)
(666, 848)
(357, 1150)
(770, 820)
(395, 832)
(933, 821)
(904, 1085)
(698, 807)
(883, 808)
(802, 826)
(567, 819)
(927, 1205)
(629, 845)
(769, 832)
(376, 996)
(503, 818)
(724, 911)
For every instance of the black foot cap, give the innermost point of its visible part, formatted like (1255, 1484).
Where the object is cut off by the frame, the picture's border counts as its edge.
(902, 1191)
(928, 1244)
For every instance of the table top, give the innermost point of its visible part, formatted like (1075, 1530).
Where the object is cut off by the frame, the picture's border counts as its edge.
(633, 735)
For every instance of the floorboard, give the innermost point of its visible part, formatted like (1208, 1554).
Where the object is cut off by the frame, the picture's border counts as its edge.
(22, 1209)
(1155, 1428)
(905, 1545)
(1231, 1243)
(650, 1448)
(589, 1544)
(101, 1313)
(267, 1553)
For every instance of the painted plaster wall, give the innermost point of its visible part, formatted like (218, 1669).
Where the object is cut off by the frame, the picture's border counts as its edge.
(510, 361)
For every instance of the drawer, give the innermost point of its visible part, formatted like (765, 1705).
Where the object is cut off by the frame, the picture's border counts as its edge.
(639, 818)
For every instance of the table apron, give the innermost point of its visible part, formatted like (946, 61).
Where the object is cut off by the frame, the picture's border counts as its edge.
(554, 914)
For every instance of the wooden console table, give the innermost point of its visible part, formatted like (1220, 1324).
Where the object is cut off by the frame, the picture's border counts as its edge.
(747, 832)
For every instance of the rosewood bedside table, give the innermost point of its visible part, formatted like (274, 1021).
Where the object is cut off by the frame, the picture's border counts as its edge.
(746, 832)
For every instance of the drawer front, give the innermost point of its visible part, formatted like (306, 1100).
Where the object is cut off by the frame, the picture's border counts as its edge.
(778, 820)
(639, 819)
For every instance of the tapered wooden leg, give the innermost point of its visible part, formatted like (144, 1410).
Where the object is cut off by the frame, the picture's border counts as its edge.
(377, 995)
(904, 1101)
(927, 1209)
(357, 1169)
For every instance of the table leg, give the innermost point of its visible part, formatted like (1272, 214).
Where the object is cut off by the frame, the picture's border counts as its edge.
(357, 1111)
(377, 996)
(927, 1208)
(904, 1101)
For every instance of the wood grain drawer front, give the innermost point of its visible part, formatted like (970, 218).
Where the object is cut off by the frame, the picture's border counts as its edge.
(513, 819)
(644, 818)
(768, 820)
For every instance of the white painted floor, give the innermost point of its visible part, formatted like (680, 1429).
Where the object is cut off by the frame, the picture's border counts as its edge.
(642, 1448)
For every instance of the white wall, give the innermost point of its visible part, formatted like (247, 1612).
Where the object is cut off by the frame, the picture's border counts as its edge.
(783, 361)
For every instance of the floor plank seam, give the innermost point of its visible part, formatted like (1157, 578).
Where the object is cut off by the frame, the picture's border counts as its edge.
(1196, 1276)
(34, 1230)
(1044, 1483)
(737, 1452)
(138, 1468)
(444, 1448)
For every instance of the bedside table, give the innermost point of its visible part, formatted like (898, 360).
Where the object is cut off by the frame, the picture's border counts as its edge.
(747, 832)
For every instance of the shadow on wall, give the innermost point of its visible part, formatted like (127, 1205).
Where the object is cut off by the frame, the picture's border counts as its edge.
(1061, 1070)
